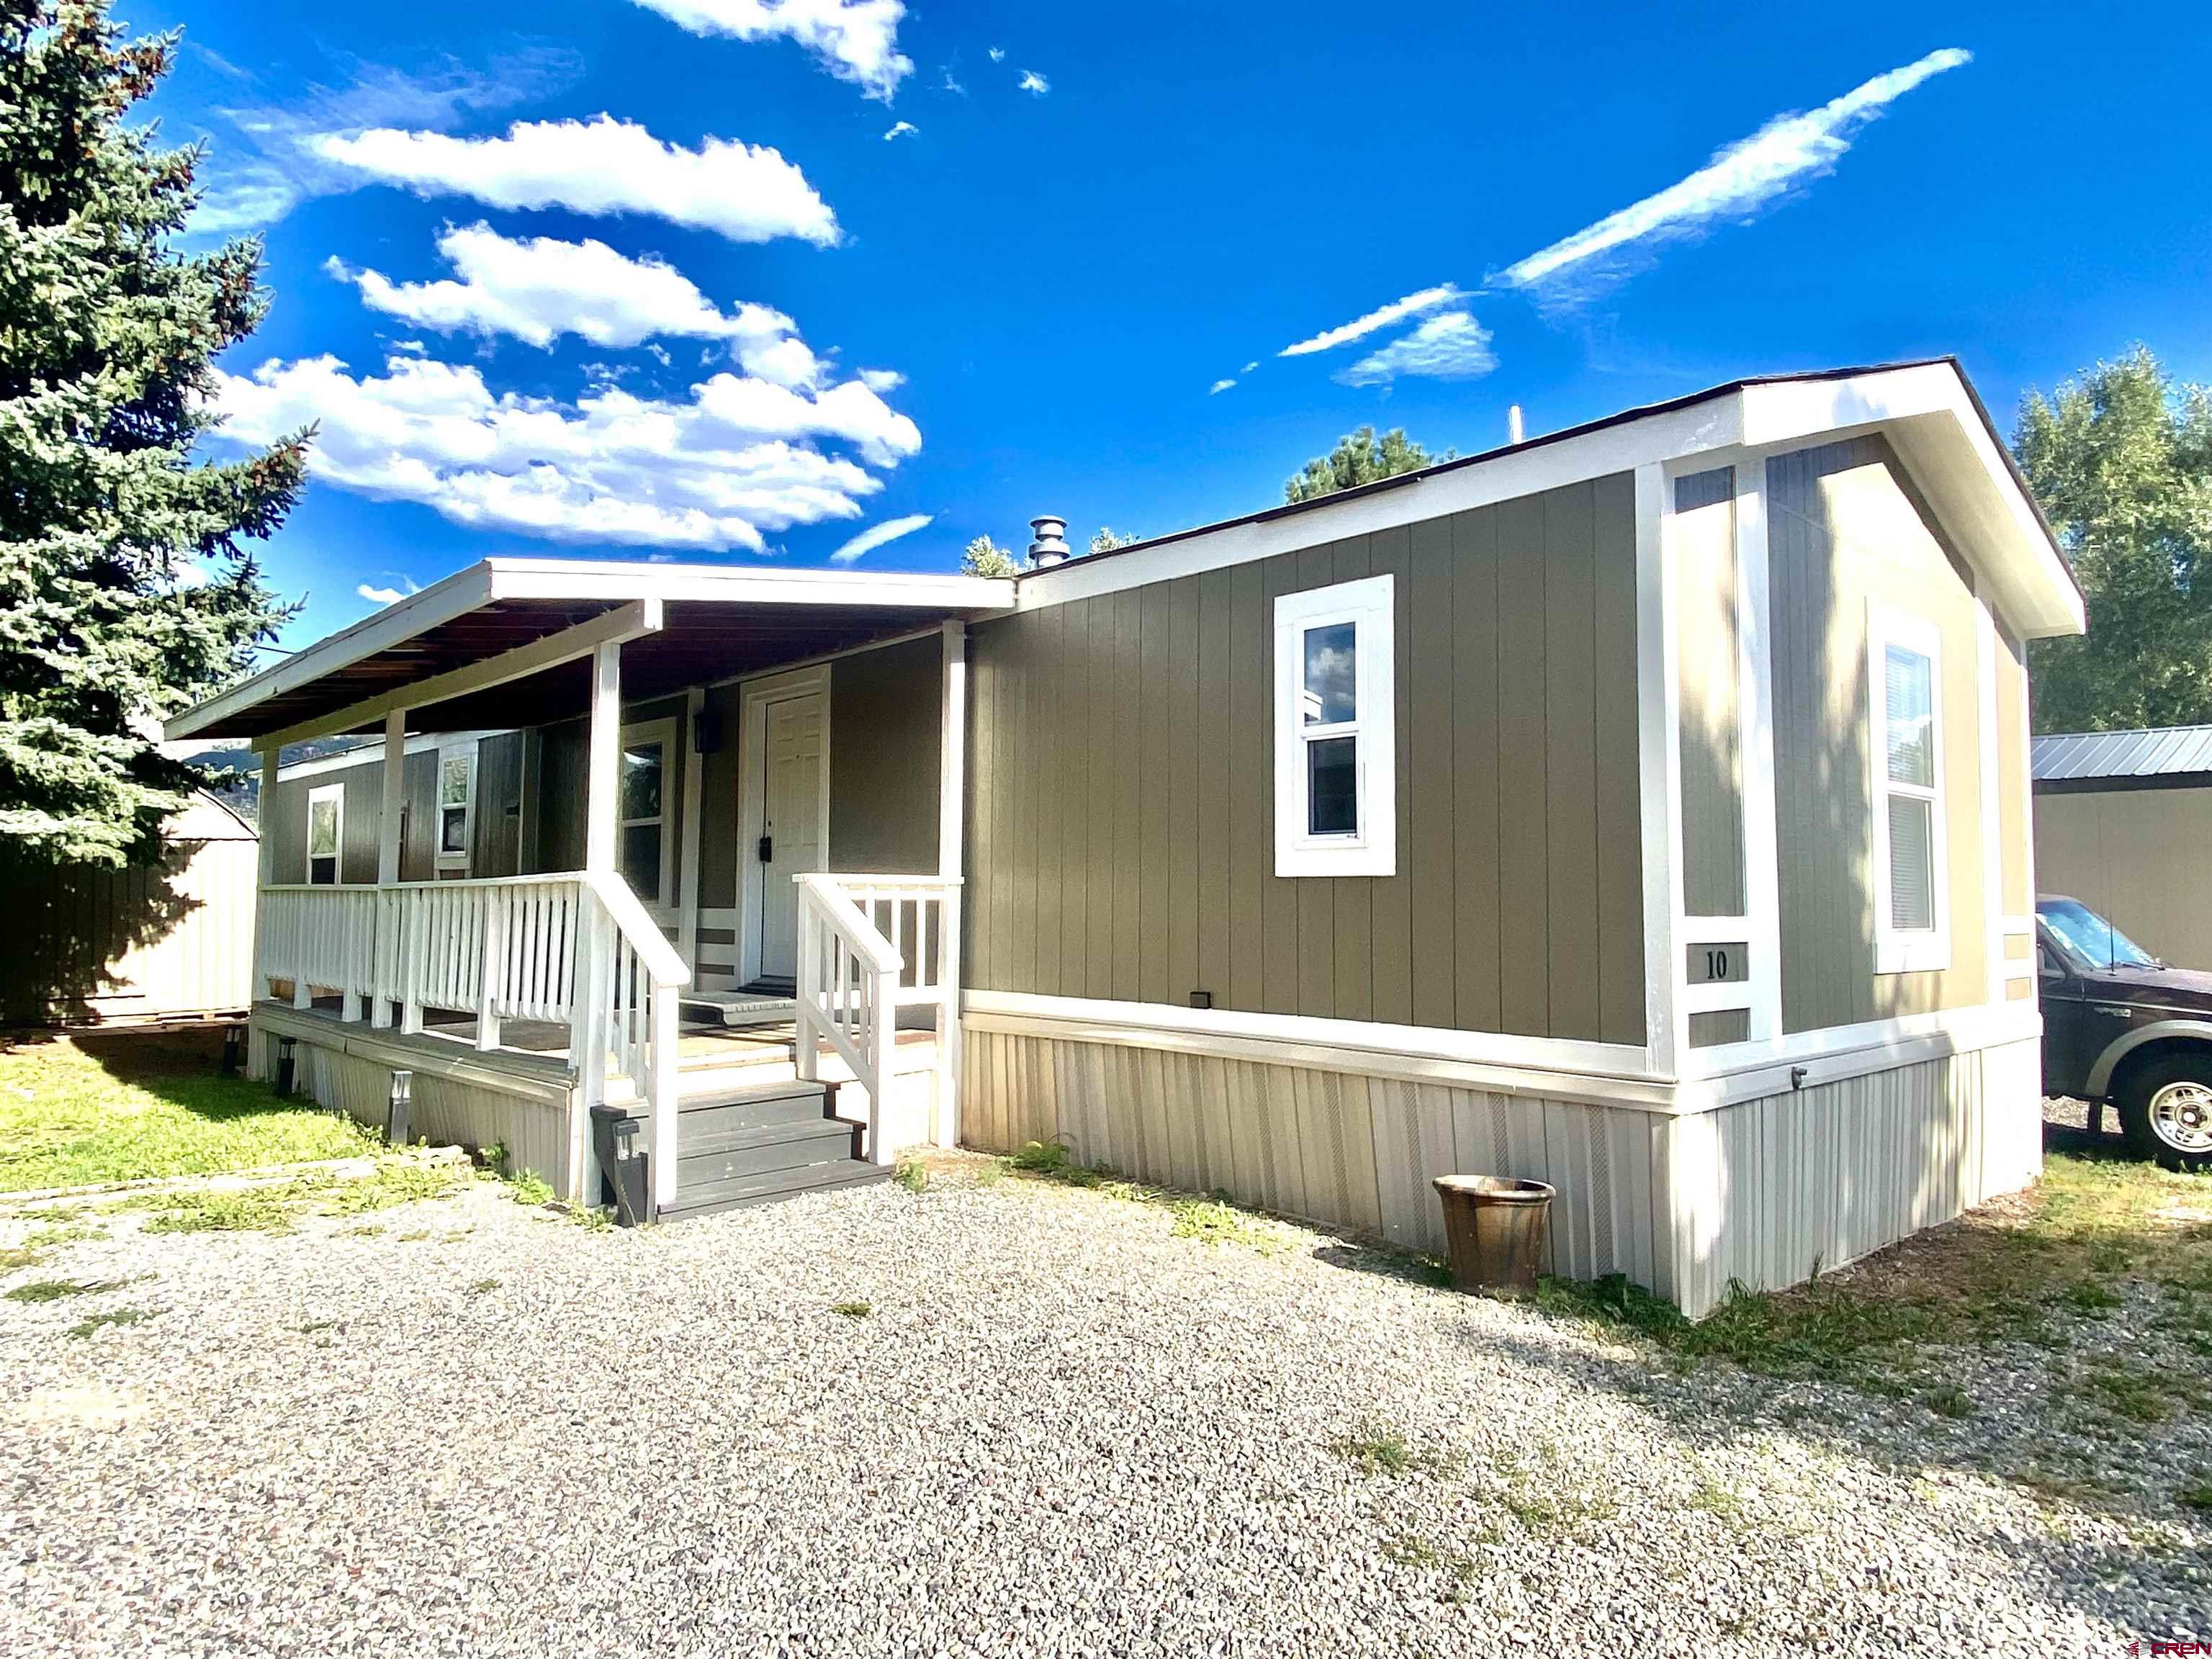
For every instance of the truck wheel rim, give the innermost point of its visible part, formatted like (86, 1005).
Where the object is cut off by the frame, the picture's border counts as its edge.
(2181, 1117)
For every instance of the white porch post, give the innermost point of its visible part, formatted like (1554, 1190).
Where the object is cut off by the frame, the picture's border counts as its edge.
(383, 1006)
(952, 819)
(687, 868)
(1659, 762)
(268, 869)
(588, 1033)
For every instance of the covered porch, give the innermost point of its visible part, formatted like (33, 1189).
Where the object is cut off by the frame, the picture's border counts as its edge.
(674, 945)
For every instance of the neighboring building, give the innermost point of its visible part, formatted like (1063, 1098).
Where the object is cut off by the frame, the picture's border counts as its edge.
(169, 940)
(2123, 820)
(1643, 807)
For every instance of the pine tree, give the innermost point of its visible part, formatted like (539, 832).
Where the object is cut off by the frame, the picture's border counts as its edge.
(1359, 457)
(127, 590)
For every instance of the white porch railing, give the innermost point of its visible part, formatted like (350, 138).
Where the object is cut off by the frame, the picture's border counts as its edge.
(869, 945)
(516, 947)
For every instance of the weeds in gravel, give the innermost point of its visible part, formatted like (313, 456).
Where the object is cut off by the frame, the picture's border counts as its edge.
(912, 1174)
(1378, 1450)
(2133, 1389)
(483, 1287)
(1213, 1221)
(100, 1321)
(1712, 1498)
(2197, 1495)
(1410, 1549)
(1948, 1400)
(851, 1310)
(18, 1256)
(53, 1289)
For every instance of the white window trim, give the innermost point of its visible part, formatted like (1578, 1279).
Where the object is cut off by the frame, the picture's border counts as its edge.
(445, 860)
(329, 792)
(662, 731)
(1917, 951)
(1372, 848)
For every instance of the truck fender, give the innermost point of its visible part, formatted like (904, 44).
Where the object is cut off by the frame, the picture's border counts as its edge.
(2100, 1074)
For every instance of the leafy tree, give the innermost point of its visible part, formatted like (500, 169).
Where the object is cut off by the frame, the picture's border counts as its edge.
(2121, 459)
(1360, 458)
(125, 589)
(985, 557)
(1105, 539)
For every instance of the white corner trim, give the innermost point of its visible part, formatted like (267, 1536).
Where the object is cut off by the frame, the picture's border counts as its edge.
(1762, 872)
(1659, 768)
(1368, 606)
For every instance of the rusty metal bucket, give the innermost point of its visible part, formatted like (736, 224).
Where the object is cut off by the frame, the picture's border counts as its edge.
(1498, 1230)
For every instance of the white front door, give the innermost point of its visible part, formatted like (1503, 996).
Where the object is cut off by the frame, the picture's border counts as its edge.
(791, 830)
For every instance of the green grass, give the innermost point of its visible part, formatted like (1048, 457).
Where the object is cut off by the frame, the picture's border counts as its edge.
(274, 1207)
(2197, 1495)
(912, 1174)
(851, 1310)
(1213, 1221)
(53, 1289)
(2069, 1250)
(100, 1321)
(129, 1106)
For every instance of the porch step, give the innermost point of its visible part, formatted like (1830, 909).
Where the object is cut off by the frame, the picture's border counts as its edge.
(733, 1154)
(741, 1008)
(744, 1190)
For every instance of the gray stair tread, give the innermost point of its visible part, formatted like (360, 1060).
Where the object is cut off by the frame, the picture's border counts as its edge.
(774, 1184)
(748, 1137)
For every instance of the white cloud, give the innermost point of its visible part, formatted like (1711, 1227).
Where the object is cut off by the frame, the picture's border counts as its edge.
(882, 380)
(1448, 346)
(855, 41)
(1218, 387)
(998, 54)
(748, 192)
(738, 456)
(260, 163)
(538, 289)
(376, 595)
(1396, 312)
(952, 85)
(875, 535)
(901, 130)
(1249, 366)
(1740, 179)
(1031, 81)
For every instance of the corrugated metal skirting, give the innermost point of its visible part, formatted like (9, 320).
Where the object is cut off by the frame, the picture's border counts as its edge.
(1766, 1192)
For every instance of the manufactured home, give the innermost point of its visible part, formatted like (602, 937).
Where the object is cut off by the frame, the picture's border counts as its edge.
(1642, 807)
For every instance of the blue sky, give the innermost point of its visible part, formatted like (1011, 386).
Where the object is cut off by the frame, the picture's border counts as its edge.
(747, 279)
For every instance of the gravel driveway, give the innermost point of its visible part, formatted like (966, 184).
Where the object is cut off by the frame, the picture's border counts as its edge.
(1058, 1427)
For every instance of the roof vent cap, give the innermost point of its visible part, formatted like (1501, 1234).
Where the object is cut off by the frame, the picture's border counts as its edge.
(1049, 546)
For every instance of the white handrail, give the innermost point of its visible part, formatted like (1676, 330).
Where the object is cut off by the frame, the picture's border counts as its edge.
(847, 984)
(637, 926)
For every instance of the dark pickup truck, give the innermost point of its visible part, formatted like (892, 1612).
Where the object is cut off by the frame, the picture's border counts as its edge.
(2120, 1027)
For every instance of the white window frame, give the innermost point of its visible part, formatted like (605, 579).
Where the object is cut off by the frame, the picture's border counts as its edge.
(662, 731)
(329, 792)
(1372, 847)
(1900, 951)
(446, 861)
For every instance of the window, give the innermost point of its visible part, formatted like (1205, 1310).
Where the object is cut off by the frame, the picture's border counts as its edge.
(1336, 810)
(456, 793)
(1911, 900)
(641, 811)
(325, 833)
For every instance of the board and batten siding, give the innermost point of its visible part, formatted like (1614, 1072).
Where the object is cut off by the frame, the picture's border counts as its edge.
(1703, 528)
(1845, 525)
(1120, 836)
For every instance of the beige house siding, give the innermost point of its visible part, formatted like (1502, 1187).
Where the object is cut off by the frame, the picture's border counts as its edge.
(493, 830)
(1845, 527)
(2138, 857)
(1704, 548)
(2016, 886)
(885, 721)
(1120, 807)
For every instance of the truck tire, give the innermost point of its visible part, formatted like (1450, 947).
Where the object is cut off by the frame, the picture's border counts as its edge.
(2165, 1110)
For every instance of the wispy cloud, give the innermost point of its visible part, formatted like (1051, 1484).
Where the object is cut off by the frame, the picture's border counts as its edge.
(901, 130)
(1450, 346)
(875, 535)
(748, 192)
(376, 595)
(260, 162)
(952, 84)
(998, 54)
(1218, 387)
(1396, 312)
(1741, 177)
(1033, 83)
(855, 41)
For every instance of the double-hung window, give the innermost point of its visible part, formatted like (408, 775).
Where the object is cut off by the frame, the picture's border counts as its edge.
(325, 833)
(645, 820)
(456, 793)
(1336, 811)
(1904, 675)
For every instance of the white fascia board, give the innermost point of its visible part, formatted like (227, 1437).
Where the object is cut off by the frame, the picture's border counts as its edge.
(613, 581)
(456, 595)
(1930, 411)
(1540, 465)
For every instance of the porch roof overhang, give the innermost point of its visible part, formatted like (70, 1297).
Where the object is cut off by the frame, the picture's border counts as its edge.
(508, 641)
